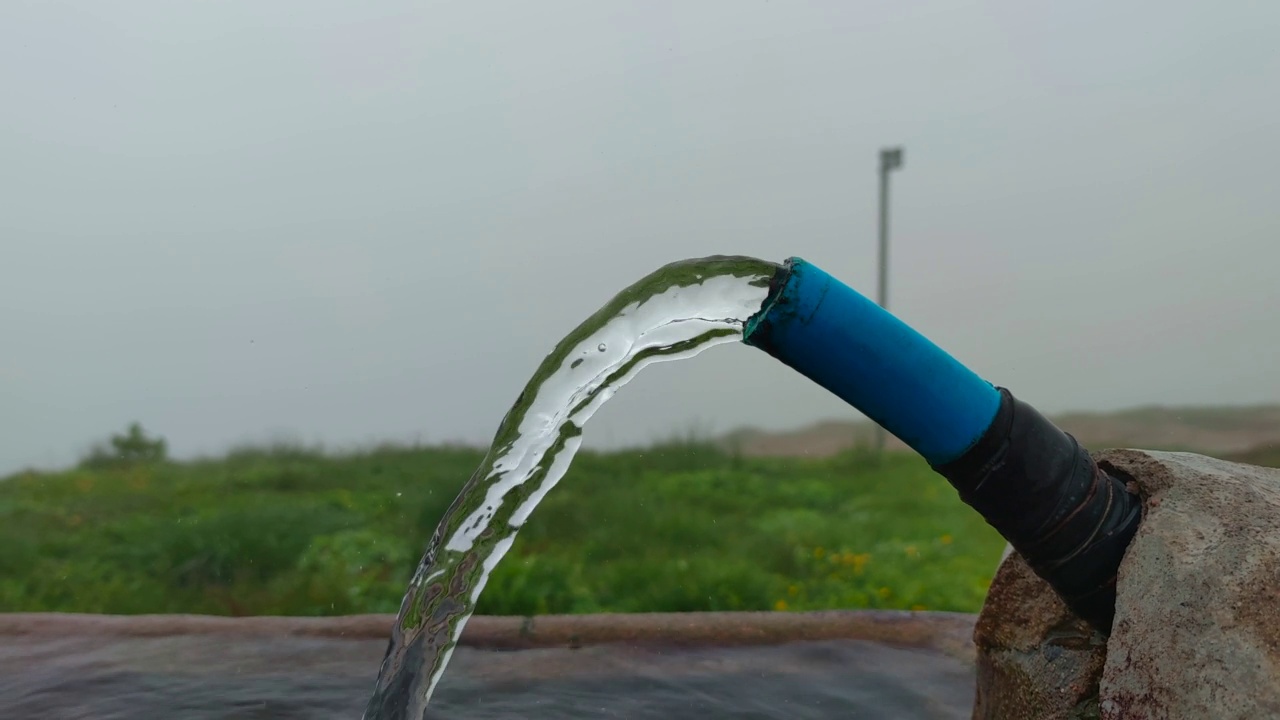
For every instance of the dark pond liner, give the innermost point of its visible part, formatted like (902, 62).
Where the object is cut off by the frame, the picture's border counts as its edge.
(697, 666)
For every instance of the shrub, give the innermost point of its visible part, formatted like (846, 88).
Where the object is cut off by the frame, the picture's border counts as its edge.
(134, 447)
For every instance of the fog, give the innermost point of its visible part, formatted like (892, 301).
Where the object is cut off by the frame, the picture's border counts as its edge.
(357, 222)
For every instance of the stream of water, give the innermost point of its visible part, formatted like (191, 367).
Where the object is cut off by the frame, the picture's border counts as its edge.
(674, 313)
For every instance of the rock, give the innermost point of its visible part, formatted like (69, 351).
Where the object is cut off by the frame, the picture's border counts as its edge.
(1198, 611)
(1035, 658)
(1197, 629)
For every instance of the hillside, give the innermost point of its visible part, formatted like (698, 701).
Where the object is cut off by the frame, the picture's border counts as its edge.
(1220, 431)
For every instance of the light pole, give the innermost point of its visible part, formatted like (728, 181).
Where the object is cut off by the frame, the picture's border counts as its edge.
(890, 160)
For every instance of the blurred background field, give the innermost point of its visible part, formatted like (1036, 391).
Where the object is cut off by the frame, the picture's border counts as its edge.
(690, 524)
(672, 528)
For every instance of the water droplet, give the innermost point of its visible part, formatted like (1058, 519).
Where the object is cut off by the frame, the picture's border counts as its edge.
(602, 347)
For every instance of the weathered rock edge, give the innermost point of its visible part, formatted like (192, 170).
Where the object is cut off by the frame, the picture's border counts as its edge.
(1197, 628)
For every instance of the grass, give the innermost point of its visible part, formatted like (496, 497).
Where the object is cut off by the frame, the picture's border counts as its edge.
(681, 527)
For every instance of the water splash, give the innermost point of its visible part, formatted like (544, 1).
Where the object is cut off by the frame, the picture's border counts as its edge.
(674, 313)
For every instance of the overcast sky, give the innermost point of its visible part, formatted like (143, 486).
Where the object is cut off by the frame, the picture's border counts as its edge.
(360, 221)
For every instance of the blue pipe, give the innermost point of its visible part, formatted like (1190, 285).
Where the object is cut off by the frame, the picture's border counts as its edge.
(873, 361)
(1069, 518)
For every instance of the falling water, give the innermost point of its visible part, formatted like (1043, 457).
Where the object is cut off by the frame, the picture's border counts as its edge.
(674, 313)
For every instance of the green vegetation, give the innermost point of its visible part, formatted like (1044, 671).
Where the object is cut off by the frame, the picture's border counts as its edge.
(131, 448)
(675, 528)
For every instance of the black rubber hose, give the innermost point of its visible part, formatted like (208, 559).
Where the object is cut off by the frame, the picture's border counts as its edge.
(1068, 518)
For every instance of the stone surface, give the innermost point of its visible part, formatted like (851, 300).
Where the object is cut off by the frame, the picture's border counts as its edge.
(1035, 659)
(1197, 629)
(949, 633)
(1198, 612)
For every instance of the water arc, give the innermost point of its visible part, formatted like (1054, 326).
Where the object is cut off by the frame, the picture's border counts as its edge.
(1070, 519)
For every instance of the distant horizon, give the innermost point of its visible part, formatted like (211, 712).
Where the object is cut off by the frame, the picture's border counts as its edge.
(678, 434)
